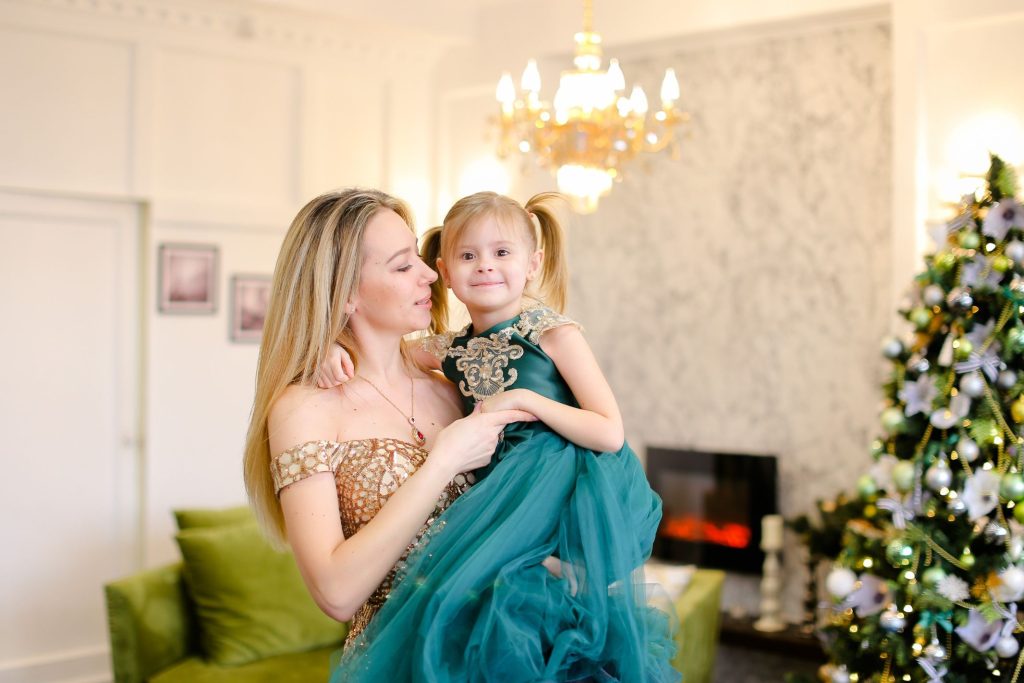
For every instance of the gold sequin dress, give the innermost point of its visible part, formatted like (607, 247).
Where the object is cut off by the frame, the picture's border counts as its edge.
(366, 473)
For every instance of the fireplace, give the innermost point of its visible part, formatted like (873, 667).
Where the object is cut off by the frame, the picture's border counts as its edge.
(713, 505)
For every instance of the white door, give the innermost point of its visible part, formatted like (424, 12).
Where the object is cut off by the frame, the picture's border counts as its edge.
(69, 416)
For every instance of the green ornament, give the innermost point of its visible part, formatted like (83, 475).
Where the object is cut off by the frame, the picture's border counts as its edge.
(1011, 487)
(866, 486)
(945, 261)
(1015, 339)
(1001, 263)
(1018, 513)
(899, 553)
(893, 420)
(920, 317)
(932, 576)
(903, 475)
(964, 348)
(967, 559)
(969, 239)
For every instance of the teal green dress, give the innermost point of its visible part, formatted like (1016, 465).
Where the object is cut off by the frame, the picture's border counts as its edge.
(472, 602)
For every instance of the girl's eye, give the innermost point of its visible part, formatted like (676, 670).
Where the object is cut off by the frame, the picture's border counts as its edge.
(503, 252)
(405, 269)
(466, 256)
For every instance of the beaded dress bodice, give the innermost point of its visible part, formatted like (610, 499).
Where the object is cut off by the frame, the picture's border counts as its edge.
(366, 474)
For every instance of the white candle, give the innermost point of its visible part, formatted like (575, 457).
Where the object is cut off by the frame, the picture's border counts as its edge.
(771, 532)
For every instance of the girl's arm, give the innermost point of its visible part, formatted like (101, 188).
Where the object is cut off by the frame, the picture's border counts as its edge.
(340, 572)
(597, 423)
(338, 369)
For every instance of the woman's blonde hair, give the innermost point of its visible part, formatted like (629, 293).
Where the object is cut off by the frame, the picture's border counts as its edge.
(547, 235)
(317, 272)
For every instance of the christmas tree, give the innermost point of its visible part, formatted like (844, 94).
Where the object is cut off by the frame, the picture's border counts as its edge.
(927, 583)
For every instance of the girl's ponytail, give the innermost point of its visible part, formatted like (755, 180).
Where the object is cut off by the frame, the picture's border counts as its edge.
(429, 252)
(554, 276)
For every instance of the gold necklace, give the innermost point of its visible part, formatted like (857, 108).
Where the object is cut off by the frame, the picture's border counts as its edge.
(417, 435)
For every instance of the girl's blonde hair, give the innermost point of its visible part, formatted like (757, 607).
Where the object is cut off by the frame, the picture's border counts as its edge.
(317, 272)
(547, 235)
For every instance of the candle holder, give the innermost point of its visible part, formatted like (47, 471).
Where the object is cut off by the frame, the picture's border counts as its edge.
(771, 578)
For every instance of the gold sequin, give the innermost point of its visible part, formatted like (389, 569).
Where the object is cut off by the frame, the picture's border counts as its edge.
(366, 473)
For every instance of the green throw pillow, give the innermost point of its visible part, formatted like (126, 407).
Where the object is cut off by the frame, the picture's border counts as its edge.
(204, 517)
(250, 599)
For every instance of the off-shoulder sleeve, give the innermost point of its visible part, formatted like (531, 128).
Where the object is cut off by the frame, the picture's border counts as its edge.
(537, 320)
(304, 460)
(437, 345)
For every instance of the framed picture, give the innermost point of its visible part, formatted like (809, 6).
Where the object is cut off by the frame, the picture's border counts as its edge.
(250, 295)
(187, 279)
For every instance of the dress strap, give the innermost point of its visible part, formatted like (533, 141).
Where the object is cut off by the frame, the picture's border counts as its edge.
(305, 460)
(536, 320)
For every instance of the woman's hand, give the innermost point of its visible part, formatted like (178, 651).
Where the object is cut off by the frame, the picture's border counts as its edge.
(337, 368)
(469, 443)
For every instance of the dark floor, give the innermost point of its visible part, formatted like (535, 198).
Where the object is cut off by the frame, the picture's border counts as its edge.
(735, 664)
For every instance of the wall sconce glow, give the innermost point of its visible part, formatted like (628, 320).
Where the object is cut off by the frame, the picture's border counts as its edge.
(949, 186)
(484, 174)
(969, 144)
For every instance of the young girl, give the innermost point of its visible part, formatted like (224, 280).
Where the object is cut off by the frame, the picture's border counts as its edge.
(532, 575)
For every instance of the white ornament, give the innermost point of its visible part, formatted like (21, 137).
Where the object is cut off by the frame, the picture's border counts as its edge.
(1011, 585)
(933, 295)
(1007, 647)
(841, 582)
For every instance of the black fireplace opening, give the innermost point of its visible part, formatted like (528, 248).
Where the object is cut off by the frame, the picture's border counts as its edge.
(712, 506)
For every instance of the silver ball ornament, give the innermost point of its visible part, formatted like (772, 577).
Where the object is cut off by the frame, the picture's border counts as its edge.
(839, 674)
(972, 384)
(892, 348)
(1006, 379)
(921, 367)
(892, 621)
(968, 449)
(938, 476)
(1015, 251)
(957, 506)
(934, 651)
(1007, 647)
(960, 300)
(933, 295)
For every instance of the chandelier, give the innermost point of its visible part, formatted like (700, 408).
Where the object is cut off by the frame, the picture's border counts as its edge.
(591, 128)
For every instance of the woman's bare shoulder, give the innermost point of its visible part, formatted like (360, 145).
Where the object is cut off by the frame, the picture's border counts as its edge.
(302, 414)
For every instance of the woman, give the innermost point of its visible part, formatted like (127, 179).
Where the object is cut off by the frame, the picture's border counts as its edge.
(352, 476)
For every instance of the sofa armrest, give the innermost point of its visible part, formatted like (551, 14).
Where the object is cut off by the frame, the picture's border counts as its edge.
(699, 612)
(151, 623)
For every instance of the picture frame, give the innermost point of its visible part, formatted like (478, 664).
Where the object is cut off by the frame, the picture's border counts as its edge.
(250, 296)
(187, 279)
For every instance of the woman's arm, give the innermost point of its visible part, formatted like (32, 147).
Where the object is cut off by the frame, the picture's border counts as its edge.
(340, 572)
(597, 423)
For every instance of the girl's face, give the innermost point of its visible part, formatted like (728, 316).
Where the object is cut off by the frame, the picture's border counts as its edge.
(488, 268)
(394, 287)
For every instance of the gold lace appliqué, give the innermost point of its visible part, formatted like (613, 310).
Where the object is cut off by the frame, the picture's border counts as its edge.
(483, 362)
(536, 320)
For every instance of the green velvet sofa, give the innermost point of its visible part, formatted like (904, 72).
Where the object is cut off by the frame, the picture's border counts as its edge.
(153, 635)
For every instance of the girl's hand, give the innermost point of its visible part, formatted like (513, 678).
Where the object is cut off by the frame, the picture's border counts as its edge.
(469, 443)
(337, 368)
(513, 399)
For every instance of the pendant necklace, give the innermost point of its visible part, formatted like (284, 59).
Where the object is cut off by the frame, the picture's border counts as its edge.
(417, 435)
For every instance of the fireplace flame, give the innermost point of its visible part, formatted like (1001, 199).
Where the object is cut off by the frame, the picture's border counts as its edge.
(700, 530)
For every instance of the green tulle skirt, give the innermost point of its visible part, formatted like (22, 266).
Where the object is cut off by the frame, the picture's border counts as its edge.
(473, 602)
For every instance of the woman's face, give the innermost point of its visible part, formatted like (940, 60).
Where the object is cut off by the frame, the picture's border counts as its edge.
(394, 287)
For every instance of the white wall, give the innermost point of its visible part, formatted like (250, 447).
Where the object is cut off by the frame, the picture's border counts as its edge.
(222, 120)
